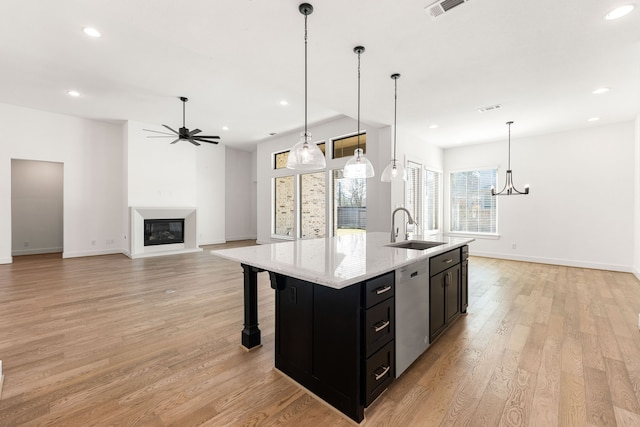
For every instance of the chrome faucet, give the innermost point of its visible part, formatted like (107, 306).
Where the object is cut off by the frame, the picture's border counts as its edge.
(393, 222)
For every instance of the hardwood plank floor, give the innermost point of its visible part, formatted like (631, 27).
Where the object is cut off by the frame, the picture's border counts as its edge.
(156, 342)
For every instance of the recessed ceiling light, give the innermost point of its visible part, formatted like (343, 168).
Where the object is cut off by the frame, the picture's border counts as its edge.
(600, 90)
(73, 93)
(225, 127)
(433, 126)
(92, 32)
(594, 119)
(619, 12)
(284, 102)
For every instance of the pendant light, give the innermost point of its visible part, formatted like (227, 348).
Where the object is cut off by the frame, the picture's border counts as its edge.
(305, 155)
(358, 166)
(509, 189)
(394, 170)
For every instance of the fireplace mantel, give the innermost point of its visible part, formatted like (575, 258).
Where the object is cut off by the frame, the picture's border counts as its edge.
(139, 214)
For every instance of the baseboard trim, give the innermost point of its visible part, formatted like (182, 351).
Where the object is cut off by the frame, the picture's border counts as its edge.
(236, 238)
(636, 273)
(555, 261)
(8, 260)
(96, 252)
(36, 251)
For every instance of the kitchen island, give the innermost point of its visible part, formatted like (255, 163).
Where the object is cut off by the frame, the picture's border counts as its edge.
(336, 305)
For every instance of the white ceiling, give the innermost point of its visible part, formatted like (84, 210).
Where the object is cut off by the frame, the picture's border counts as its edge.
(236, 59)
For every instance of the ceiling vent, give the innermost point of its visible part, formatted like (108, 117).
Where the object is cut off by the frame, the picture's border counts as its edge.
(489, 108)
(440, 7)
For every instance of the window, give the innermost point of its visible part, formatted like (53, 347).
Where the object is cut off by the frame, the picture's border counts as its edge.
(312, 205)
(349, 204)
(431, 203)
(344, 147)
(284, 208)
(473, 209)
(280, 159)
(413, 192)
(422, 196)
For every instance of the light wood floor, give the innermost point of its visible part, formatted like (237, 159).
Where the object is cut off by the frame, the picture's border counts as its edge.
(155, 342)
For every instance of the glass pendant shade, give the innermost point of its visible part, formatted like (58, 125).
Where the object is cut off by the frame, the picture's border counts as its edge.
(393, 171)
(306, 155)
(358, 166)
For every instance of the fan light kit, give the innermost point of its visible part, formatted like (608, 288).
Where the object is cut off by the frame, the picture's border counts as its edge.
(305, 155)
(394, 170)
(358, 166)
(184, 134)
(509, 188)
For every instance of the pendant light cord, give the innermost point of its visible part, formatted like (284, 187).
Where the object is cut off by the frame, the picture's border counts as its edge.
(509, 123)
(359, 53)
(395, 118)
(305, 78)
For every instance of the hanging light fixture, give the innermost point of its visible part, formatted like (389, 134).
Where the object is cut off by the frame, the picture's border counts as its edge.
(394, 169)
(509, 188)
(305, 155)
(358, 166)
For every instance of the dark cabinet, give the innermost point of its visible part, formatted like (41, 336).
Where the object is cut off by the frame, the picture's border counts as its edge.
(338, 343)
(445, 291)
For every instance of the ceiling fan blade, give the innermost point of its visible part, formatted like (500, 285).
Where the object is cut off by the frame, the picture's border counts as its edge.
(193, 141)
(171, 129)
(173, 142)
(161, 136)
(208, 136)
(193, 132)
(157, 131)
(205, 140)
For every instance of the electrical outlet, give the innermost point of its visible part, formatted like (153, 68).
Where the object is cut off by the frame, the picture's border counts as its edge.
(93, 243)
(514, 246)
(26, 244)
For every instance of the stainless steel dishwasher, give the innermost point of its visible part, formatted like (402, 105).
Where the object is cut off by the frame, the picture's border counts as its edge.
(412, 313)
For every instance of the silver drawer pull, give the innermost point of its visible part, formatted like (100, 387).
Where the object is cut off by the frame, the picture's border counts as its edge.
(383, 290)
(378, 326)
(383, 373)
(448, 261)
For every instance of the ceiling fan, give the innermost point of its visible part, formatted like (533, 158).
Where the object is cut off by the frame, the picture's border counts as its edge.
(184, 133)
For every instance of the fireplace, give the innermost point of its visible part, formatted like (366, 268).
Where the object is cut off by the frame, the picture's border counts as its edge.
(163, 231)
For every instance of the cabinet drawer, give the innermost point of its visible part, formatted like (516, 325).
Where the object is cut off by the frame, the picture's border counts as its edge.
(379, 325)
(379, 372)
(379, 289)
(443, 261)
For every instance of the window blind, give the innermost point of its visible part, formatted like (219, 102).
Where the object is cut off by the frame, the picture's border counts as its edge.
(473, 209)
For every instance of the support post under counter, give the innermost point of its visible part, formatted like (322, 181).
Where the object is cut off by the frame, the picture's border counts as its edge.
(251, 332)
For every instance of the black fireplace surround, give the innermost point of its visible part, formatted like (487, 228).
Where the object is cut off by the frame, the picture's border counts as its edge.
(163, 231)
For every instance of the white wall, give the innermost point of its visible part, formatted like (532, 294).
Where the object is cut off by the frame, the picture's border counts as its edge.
(210, 192)
(240, 195)
(37, 210)
(580, 209)
(378, 196)
(636, 257)
(91, 152)
(179, 175)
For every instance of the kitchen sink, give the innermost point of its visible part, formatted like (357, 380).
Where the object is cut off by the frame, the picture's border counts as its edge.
(419, 245)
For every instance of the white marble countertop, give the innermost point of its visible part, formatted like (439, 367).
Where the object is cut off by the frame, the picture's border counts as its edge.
(339, 261)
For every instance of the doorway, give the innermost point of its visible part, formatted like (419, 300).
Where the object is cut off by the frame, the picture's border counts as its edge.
(37, 221)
